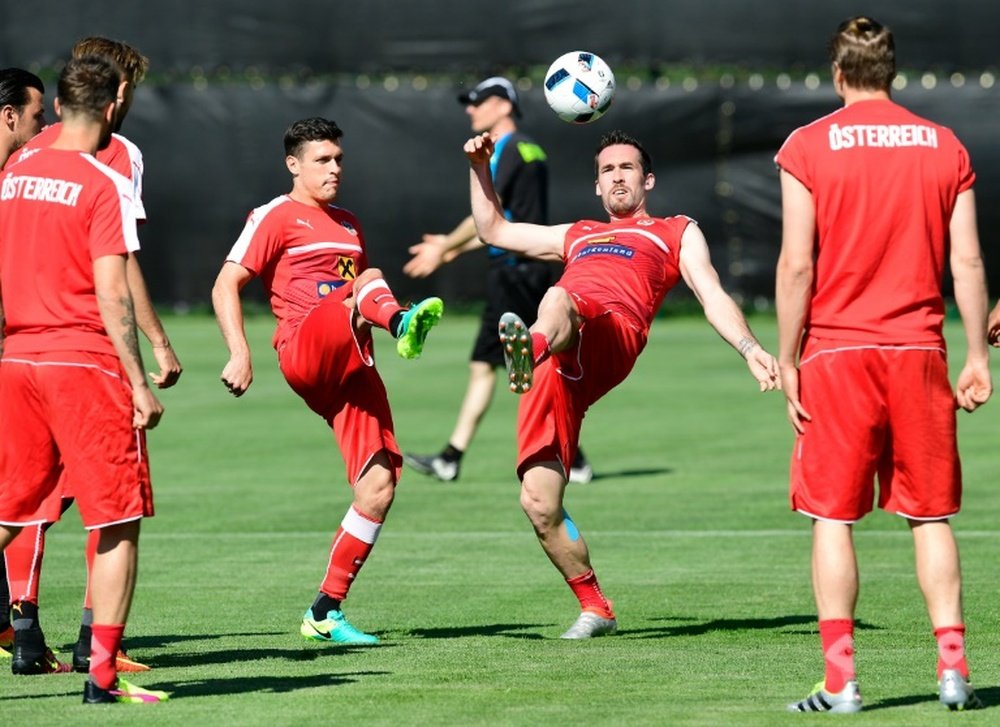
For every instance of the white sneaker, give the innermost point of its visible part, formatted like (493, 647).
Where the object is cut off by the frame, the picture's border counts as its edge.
(433, 465)
(956, 693)
(589, 624)
(846, 701)
(581, 475)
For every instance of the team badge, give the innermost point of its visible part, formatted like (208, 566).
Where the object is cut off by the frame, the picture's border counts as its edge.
(345, 268)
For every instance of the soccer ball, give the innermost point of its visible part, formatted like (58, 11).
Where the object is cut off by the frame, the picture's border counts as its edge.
(579, 87)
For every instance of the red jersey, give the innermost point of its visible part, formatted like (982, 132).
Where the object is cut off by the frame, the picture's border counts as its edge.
(884, 182)
(627, 266)
(302, 254)
(121, 155)
(59, 211)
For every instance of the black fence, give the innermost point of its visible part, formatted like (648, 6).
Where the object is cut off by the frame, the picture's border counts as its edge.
(712, 88)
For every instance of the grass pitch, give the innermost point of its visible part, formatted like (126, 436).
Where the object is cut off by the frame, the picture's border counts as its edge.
(687, 521)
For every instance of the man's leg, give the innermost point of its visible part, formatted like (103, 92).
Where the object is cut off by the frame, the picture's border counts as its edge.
(112, 585)
(542, 501)
(835, 586)
(353, 542)
(377, 305)
(556, 329)
(939, 574)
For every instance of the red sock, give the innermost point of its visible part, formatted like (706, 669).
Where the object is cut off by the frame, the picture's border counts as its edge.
(377, 304)
(105, 641)
(351, 545)
(24, 563)
(951, 649)
(588, 592)
(93, 537)
(540, 347)
(837, 636)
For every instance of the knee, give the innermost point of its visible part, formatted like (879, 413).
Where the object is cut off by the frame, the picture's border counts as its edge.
(542, 514)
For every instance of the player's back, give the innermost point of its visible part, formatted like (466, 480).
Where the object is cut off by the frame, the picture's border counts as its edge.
(884, 182)
(59, 210)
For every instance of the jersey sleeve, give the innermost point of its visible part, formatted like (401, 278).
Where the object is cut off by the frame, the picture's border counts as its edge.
(791, 157)
(966, 175)
(135, 171)
(260, 243)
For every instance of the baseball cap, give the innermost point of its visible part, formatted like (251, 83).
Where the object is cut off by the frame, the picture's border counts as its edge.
(493, 86)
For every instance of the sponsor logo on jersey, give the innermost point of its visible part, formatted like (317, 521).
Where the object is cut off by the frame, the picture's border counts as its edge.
(346, 268)
(301, 221)
(325, 287)
(602, 248)
(349, 227)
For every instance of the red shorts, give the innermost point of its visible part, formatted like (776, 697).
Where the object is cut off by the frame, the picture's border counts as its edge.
(69, 415)
(876, 410)
(566, 384)
(333, 370)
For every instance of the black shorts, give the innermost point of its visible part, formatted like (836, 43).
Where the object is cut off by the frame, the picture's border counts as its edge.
(512, 284)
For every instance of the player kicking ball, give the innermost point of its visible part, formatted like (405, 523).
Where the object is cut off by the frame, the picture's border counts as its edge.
(591, 327)
(310, 255)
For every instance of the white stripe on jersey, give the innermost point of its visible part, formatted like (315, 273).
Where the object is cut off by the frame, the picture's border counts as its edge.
(135, 161)
(257, 216)
(302, 249)
(125, 200)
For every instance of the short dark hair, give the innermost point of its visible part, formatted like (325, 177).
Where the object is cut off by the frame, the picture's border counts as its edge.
(88, 85)
(14, 85)
(613, 138)
(865, 53)
(315, 128)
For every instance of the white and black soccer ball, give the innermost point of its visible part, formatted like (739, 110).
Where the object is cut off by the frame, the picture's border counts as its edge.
(579, 87)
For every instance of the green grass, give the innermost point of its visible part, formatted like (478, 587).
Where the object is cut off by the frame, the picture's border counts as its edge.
(687, 522)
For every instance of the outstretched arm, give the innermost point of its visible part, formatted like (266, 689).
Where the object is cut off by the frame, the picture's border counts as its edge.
(721, 310)
(150, 325)
(794, 287)
(433, 251)
(544, 242)
(974, 385)
(237, 374)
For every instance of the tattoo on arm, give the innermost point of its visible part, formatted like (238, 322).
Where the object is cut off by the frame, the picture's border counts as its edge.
(130, 336)
(746, 345)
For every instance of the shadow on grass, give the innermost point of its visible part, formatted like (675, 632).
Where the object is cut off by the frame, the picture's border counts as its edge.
(990, 696)
(511, 631)
(620, 474)
(727, 624)
(263, 684)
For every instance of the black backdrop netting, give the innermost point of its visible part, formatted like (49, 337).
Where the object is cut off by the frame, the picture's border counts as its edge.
(405, 173)
(213, 146)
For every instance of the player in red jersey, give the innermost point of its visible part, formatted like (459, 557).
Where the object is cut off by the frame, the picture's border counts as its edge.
(22, 116)
(871, 196)
(71, 357)
(24, 556)
(310, 255)
(591, 327)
